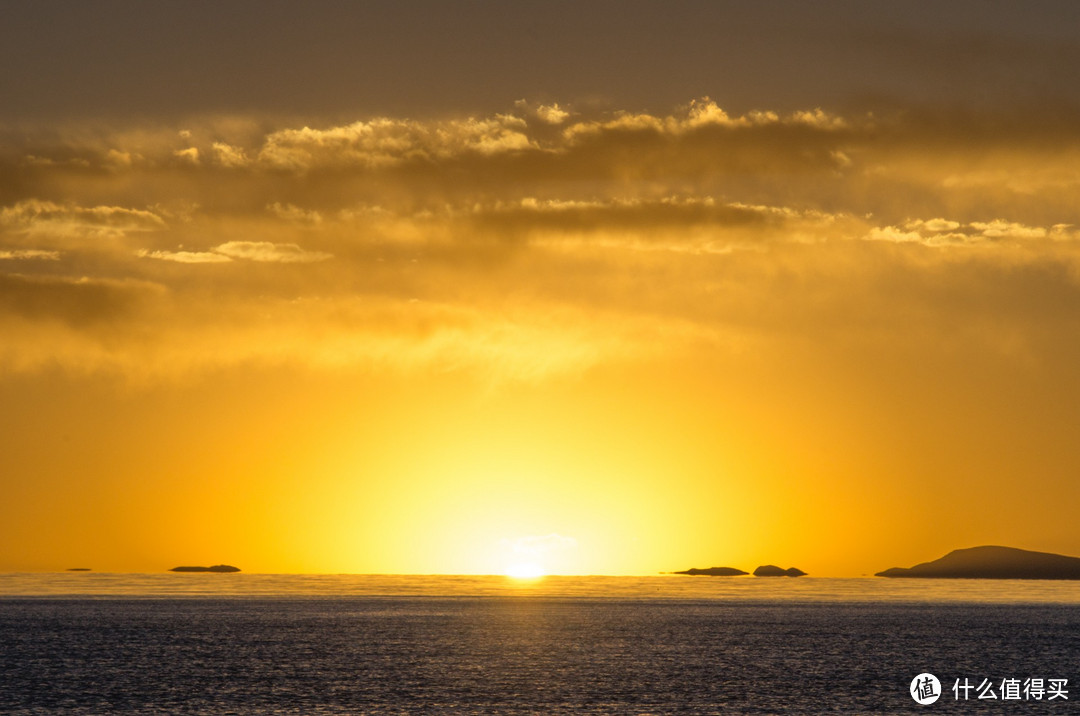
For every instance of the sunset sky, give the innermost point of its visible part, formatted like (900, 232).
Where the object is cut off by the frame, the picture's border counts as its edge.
(608, 287)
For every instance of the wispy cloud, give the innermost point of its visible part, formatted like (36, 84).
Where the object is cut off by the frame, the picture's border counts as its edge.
(289, 212)
(37, 218)
(941, 232)
(189, 155)
(271, 252)
(185, 257)
(19, 254)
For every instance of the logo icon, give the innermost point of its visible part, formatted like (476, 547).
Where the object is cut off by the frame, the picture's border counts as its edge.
(925, 689)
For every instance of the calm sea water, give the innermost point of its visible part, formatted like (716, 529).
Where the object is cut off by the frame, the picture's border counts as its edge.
(89, 643)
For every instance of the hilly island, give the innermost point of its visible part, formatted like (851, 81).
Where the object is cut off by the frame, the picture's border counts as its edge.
(992, 562)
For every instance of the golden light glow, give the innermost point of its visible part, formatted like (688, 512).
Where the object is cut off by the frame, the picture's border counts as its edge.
(547, 340)
(525, 570)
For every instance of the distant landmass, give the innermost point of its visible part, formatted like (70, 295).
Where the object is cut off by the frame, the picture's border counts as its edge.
(992, 562)
(713, 571)
(771, 570)
(215, 568)
(78, 569)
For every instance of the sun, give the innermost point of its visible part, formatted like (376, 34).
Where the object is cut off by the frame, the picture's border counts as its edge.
(525, 570)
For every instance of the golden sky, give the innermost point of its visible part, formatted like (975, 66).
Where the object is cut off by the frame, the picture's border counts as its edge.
(599, 328)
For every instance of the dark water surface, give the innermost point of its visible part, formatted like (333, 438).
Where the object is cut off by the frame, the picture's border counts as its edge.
(513, 655)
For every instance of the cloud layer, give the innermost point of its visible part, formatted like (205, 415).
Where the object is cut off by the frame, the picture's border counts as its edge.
(546, 238)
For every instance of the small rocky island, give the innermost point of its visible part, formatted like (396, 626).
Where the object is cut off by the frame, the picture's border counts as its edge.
(992, 562)
(713, 571)
(215, 568)
(771, 570)
(767, 570)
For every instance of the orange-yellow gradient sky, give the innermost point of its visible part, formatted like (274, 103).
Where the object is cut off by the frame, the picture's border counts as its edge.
(622, 288)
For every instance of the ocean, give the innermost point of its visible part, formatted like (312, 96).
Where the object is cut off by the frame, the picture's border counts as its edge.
(92, 643)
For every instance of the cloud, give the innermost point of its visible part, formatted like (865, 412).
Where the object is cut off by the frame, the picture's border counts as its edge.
(933, 225)
(1000, 228)
(19, 254)
(551, 114)
(117, 159)
(259, 251)
(82, 303)
(385, 142)
(145, 331)
(34, 161)
(910, 234)
(510, 246)
(269, 252)
(295, 214)
(893, 166)
(818, 118)
(942, 232)
(37, 218)
(185, 257)
(701, 114)
(189, 155)
(229, 156)
(670, 223)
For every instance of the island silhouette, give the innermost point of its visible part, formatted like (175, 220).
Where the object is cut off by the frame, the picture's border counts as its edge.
(992, 562)
(215, 568)
(713, 571)
(765, 570)
(771, 570)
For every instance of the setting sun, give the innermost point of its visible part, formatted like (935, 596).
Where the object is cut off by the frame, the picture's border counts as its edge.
(525, 570)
